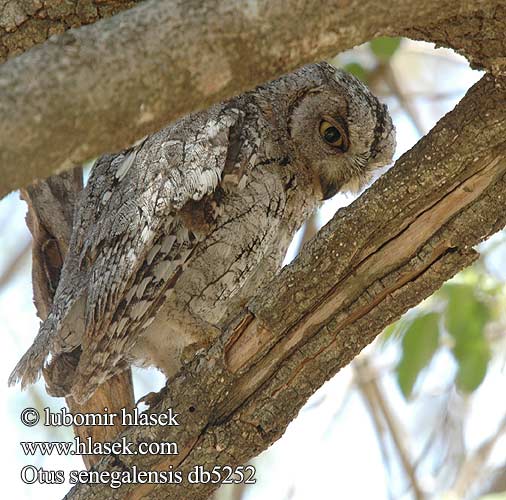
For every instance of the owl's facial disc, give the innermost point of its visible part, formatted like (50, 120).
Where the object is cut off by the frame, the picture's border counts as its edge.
(341, 131)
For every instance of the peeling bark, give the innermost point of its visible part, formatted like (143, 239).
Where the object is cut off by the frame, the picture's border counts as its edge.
(99, 88)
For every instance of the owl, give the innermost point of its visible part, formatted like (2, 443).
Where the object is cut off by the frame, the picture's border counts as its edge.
(174, 234)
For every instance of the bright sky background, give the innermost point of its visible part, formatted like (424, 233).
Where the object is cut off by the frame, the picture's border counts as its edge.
(331, 447)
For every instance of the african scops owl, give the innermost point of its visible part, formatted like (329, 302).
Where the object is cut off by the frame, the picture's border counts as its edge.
(174, 234)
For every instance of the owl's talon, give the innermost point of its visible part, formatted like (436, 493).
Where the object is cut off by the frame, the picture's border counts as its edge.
(151, 399)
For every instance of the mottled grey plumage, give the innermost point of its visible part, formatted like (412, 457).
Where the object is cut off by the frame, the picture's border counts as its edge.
(178, 231)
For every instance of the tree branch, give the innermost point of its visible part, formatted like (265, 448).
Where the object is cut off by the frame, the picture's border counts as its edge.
(474, 467)
(369, 384)
(100, 87)
(412, 231)
(24, 24)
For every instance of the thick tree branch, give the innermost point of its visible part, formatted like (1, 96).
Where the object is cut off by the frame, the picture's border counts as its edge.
(101, 87)
(412, 231)
(25, 23)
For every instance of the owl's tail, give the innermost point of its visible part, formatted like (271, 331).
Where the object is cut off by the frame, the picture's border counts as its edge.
(30, 366)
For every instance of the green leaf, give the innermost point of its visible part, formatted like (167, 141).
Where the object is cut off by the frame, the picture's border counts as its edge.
(384, 47)
(357, 70)
(465, 318)
(473, 362)
(419, 344)
(466, 315)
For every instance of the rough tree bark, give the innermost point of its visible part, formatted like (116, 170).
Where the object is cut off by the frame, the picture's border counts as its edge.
(25, 23)
(412, 230)
(103, 86)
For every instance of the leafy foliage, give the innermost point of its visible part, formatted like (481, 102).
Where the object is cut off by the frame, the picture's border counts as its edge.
(460, 311)
(465, 319)
(384, 47)
(356, 69)
(419, 343)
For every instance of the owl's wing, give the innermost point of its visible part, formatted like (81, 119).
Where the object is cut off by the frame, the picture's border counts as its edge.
(130, 202)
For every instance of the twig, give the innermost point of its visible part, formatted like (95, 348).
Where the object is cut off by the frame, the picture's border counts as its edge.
(382, 415)
(474, 465)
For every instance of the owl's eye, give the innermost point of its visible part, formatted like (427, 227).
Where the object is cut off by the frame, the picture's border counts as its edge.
(333, 134)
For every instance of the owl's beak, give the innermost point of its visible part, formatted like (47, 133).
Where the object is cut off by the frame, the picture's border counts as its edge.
(329, 189)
